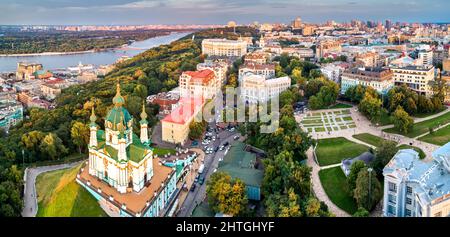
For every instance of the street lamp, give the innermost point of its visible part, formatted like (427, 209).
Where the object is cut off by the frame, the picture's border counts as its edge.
(23, 158)
(370, 183)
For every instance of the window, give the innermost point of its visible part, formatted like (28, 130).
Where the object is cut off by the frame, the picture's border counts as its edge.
(391, 210)
(408, 190)
(408, 201)
(392, 198)
(408, 213)
(392, 187)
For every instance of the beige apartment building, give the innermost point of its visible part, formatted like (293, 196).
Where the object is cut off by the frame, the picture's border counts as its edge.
(325, 47)
(175, 126)
(199, 84)
(25, 71)
(369, 59)
(224, 47)
(417, 78)
(256, 88)
(265, 70)
(219, 68)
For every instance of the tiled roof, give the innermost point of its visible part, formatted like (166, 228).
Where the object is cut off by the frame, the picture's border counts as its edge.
(202, 76)
(183, 113)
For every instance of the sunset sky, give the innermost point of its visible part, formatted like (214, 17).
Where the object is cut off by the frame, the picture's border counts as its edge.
(217, 11)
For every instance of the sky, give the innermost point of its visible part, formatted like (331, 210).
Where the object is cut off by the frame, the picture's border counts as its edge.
(138, 12)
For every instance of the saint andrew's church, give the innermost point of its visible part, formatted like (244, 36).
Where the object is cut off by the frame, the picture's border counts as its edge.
(122, 172)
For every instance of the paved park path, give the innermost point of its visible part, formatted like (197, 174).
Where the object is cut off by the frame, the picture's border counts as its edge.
(30, 202)
(317, 186)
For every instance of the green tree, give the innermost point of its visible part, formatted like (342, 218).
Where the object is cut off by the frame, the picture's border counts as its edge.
(361, 212)
(383, 155)
(196, 130)
(80, 135)
(354, 171)
(278, 205)
(226, 195)
(402, 121)
(140, 91)
(367, 193)
(52, 146)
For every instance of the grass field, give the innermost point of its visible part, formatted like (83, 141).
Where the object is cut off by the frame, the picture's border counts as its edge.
(370, 139)
(162, 151)
(335, 185)
(421, 153)
(340, 106)
(333, 150)
(423, 127)
(60, 196)
(439, 137)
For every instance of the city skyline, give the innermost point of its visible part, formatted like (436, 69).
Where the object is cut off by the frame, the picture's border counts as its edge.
(137, 12)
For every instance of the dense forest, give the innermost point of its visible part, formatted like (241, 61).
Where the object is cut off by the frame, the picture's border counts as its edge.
(65, 41)
(54, 134)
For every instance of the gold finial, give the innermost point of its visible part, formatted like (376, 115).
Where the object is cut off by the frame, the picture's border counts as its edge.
(118, 100)
(93, 118)
(143, 113)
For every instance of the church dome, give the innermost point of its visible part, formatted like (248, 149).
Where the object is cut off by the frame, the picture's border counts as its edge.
(118, 117)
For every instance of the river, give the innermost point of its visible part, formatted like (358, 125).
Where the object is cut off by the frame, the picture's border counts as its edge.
(51, 62)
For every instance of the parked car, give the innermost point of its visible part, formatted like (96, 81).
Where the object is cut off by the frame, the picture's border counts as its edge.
(193, 188)
(201, 179)
(236, 137)
(221, 148)
(201, 168)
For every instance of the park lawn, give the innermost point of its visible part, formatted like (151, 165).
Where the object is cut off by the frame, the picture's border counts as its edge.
(335, 185)
(163, 151)
(385, 118)
(424, 115)
(423, 127)
(60, 196)
(320, 129)
(313, 121)
(333, 150)
(340, 106)
(347, 118)
(439, 137)
(370, 139)
(421, 153)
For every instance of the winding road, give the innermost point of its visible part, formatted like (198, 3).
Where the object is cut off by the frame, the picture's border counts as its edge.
(30, 202)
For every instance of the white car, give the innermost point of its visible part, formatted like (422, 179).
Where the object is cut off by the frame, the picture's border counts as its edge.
(236, 137)
(221, 148)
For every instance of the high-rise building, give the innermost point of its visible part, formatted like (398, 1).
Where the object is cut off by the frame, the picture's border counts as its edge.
(388, 25)
(297, 23)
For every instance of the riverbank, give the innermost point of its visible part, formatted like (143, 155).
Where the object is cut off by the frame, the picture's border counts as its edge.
(52, 61)
(120, 47)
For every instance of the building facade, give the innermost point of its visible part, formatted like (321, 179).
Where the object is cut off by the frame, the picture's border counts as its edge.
(417, 78)
(11, 113)
(265, 70)
(256, 88)
(25, 71)
(224, 47)
(415, 188)
(219, 68)
(379, 79)
(202, 83)
(175, 126)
